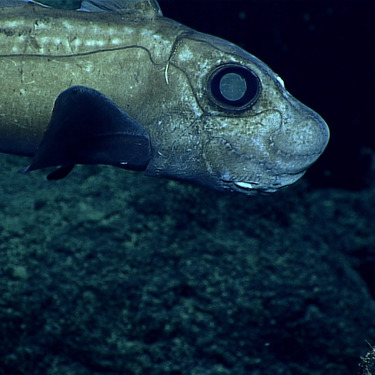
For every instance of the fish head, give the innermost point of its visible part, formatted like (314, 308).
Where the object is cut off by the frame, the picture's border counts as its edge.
(243, 130)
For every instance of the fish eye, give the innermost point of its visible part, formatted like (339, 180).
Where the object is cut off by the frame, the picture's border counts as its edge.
(233, 87)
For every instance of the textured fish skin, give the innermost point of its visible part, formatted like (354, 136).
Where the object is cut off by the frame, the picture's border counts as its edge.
(158, 72)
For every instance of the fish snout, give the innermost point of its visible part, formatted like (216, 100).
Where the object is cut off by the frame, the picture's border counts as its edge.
(300, 141)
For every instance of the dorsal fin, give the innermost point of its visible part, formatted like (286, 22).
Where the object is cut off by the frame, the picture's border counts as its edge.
(149, 7)
(17, 3)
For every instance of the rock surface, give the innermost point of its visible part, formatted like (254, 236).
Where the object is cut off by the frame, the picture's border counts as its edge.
(112, 272)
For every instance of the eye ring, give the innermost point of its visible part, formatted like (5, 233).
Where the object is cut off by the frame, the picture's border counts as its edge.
(233, 87)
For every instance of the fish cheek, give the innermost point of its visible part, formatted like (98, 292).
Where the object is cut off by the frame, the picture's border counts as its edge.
(173, 114)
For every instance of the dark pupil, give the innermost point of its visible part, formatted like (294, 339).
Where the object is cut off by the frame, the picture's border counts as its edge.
(235, 87)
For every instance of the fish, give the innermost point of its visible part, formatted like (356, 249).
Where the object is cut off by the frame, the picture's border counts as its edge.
(115, 82)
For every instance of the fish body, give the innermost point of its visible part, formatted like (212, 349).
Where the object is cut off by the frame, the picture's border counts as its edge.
(213, 113)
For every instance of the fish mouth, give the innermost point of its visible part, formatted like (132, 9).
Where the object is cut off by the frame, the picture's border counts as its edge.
(277, 183)
(251, 188)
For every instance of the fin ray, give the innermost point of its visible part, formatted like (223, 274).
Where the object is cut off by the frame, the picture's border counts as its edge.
(18, 3)
(120, 5)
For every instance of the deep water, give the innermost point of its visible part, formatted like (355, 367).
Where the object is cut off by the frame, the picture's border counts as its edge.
(111, 272)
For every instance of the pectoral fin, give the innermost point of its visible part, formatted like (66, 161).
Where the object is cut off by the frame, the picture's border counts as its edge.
(88, 128)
